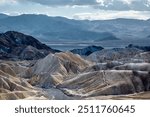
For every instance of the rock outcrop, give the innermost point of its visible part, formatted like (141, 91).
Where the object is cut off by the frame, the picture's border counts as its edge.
(107, 55)
(144, 56)
(144, 48)
(15, 45)
(134, 67)
(87, 51)
(55, 68)
(16, 88)
(109, 82)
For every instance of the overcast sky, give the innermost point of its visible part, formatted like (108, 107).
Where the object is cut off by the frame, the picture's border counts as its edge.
(79, 9)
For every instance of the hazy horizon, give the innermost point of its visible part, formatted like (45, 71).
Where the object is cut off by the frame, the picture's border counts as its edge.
(79, 9)
(71, 18)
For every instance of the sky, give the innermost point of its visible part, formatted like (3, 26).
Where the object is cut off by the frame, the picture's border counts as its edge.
(79, 9)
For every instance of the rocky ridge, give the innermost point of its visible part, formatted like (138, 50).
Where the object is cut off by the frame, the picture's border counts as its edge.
(15, 45)
(87, 51)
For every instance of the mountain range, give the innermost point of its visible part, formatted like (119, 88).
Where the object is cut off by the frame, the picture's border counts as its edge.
(46, 28)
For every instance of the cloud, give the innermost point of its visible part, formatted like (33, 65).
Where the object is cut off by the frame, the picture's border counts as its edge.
(123, 5)
(137, 5)
(7, 2)
(103, 15)
(140, 5)
(63, 2)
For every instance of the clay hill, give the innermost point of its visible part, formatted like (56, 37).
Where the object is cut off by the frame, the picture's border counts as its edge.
(118, 73)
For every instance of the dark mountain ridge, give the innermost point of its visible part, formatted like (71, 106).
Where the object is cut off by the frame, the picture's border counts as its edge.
(87, 50)
(144, 48)
(13, 45)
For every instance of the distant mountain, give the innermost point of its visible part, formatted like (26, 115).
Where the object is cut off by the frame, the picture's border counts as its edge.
(87, 51)
(52, 28)
(123, 28)
(15, 45)
(144, 48)
(47, 28)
